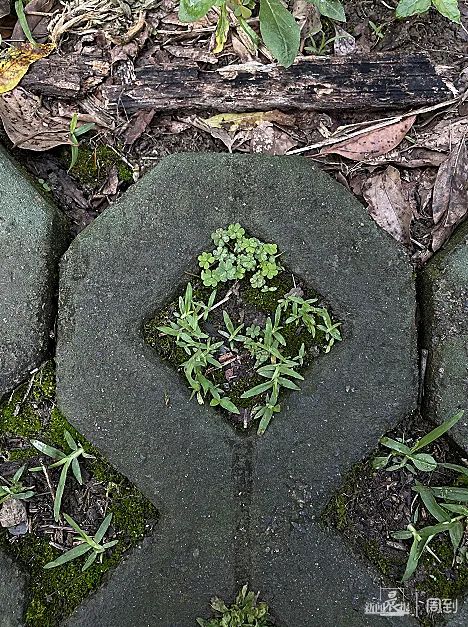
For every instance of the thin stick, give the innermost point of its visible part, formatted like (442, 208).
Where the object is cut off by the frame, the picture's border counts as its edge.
(373, 127)
(51, 488)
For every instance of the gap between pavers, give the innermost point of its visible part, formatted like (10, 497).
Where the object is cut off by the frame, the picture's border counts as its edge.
(445, 325)
(33, 235)
(186, 458)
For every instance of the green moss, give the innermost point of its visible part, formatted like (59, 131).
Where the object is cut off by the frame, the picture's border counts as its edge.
(433, 579)
(54, 593)
(22, 454)
(93, 165)
(22, 414)
(267, 302)
(336, 511)
(436, 582)
(373, 553)
(341, 513)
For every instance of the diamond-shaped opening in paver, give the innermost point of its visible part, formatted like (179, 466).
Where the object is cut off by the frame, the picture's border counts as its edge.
(29, 534)
(373, 504)
(258, 319)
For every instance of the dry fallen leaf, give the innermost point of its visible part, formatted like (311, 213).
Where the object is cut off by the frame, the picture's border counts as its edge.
(4, 8)
(444, 135)
(38, 15)
(29, 124)
(374, 143)
(15, 63)
(138, 125)
(450, 195)
(344, 43)
(389, 204)
(270, 140)
(246, 121)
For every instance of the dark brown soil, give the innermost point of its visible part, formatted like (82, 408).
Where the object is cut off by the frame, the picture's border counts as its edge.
(372, 505)
(248, 306)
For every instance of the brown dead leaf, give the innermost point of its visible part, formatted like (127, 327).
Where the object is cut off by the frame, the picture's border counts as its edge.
(241, 50)
(228, 139)
(450, 195)
(36, 12)
(138, 125)
(29, 124)
(270, 140)
(16, 61)
(111, 183)
(374, 143)
(4, 8)
(344, 43)
(308, 17)
(389, 204)
(443, 135)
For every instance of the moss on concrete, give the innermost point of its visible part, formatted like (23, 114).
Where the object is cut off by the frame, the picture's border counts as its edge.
(54, 593)
(431, 577)
(436, 582)
(93, 165)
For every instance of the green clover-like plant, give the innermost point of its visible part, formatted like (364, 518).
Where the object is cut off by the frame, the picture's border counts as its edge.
(206, 260)
(235, 231)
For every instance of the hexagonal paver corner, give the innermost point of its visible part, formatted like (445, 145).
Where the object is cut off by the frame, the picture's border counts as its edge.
(228, 502)
(445, 318)
(32, 238)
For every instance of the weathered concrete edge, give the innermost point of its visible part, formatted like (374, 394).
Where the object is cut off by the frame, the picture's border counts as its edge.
(58, 238)
(432, 403)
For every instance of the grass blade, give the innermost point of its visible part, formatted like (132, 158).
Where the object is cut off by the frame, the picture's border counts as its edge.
(457, 468)
(50, 451)
(258, 389)
(104, 526)
(395, 446)
(70, 555)
(415, 553)
(431, 504)
(70, 441)
(437, 432)
(60, 489)
(89, 562)
(19, 8)
(77, 470)
(452, 494)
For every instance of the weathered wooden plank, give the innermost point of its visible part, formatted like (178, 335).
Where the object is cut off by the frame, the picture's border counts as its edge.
(312, 83)
(65, 76)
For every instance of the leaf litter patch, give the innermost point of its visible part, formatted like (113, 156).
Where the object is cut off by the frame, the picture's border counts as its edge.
(66, 516)
(245, 330)
(389, 500)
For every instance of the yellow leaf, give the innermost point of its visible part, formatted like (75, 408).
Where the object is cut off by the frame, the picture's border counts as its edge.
(16, 61)
(246, 121)
(222, 30)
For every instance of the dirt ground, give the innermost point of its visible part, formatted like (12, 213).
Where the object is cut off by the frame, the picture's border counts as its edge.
(412, 177)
